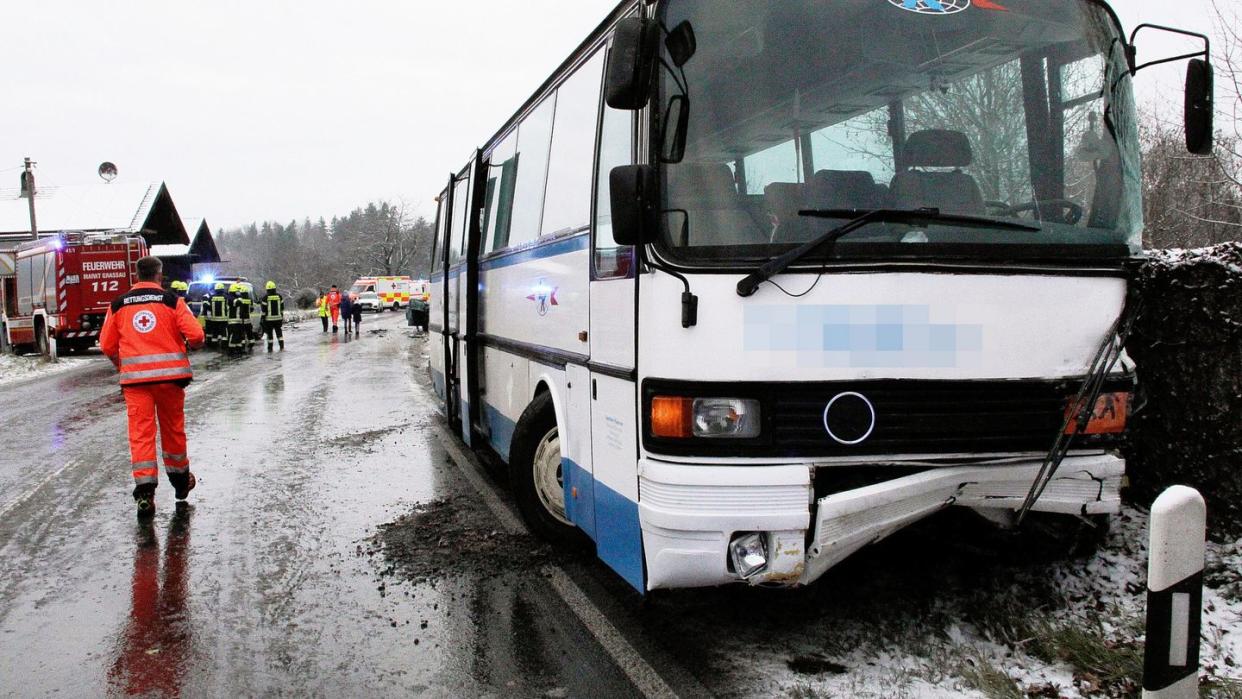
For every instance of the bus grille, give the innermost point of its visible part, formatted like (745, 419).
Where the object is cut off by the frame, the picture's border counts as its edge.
(925, 417)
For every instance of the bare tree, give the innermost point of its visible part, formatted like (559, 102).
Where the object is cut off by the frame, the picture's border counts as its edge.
(1190, 200)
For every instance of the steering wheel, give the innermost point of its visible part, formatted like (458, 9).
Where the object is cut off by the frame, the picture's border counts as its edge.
(1073, 212)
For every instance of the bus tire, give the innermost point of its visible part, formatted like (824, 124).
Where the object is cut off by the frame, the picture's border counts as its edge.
(5, 347)
(534, 468)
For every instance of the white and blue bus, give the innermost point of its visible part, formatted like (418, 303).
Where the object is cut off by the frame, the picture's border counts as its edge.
(747, 286)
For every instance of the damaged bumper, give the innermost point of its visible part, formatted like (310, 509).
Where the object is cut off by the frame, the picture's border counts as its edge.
(690, 513)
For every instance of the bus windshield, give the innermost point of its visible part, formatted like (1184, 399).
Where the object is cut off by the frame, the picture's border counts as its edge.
(1013, 110)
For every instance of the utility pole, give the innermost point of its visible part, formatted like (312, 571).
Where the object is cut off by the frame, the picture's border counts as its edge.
(28, 190)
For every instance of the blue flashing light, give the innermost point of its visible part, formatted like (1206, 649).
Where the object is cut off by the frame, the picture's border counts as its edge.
(207, 279)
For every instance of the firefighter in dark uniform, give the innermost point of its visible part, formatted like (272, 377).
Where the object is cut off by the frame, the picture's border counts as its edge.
(239, 320)
(218, 316)
(274, 316)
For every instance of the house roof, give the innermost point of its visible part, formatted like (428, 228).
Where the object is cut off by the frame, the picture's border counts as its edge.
(145, 208)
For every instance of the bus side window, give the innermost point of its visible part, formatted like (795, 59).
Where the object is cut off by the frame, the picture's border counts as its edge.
(502, 169)
(437, 254)
(534, 142)
(567, 205)
(461, 205)
(616, 148)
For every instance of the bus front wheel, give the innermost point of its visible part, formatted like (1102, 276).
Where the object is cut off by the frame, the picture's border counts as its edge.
(535, 473)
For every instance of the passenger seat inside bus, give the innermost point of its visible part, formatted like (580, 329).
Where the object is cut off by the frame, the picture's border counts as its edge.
(954, 191)
(828, 189)
(714, 212)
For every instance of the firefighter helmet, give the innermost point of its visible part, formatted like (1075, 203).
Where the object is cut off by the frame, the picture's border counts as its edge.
(271, 286)
(180, 286)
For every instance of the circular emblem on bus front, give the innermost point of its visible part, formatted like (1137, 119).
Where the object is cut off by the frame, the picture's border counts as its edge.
(849, 418)
(144, 321)
(932, 7)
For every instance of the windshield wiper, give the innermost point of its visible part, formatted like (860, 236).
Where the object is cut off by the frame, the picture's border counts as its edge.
(859, 218)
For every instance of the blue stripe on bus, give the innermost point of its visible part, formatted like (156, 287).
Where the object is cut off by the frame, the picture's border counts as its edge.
(500, 431)
(563, 246)
(579, 505)
(622, 545)
(453, 274)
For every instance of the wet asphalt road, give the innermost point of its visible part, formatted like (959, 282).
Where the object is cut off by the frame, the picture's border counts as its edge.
(267, 584)
(291, 573)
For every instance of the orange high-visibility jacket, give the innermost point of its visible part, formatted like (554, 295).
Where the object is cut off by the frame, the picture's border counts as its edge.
(146, 333)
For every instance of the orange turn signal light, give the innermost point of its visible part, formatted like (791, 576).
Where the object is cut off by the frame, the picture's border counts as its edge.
(1109, 416)
(672, 417)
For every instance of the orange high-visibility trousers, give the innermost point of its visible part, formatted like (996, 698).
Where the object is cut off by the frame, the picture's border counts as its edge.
(147, 403)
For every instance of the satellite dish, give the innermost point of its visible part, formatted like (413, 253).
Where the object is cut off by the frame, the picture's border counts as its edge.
(107, 172)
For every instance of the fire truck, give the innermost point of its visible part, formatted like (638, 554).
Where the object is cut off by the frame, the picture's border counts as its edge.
(61, 289)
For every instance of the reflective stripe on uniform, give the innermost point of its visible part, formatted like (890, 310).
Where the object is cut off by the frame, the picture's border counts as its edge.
(176, 470)
(174, 457)
(176, 372)
(146, 472)
(154, 359)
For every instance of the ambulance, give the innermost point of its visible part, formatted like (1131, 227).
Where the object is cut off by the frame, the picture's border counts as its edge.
(383, 293)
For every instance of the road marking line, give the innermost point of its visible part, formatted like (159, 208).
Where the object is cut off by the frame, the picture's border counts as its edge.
(30, 493)
(635, 667)
(627, 659)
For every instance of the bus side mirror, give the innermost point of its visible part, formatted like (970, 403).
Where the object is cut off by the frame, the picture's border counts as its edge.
(674, 130)
(632, 197)
(1200, 107)
(631, 64)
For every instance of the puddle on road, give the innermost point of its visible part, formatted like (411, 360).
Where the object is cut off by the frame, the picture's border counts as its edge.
(366, 440)
(452, 537)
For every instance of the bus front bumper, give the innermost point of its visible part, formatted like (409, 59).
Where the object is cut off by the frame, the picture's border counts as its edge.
(690, 513)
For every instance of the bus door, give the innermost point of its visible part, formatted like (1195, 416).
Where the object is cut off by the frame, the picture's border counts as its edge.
(455, 277)
(437, 302)
(614, 392)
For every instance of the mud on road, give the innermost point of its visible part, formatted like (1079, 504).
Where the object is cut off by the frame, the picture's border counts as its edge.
(456, 536)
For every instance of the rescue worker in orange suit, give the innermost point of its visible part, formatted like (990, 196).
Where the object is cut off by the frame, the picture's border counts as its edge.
(145, 334)
(334, 306)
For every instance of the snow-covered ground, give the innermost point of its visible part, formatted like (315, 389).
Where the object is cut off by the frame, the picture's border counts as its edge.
(29, 366)
(1073, 629)
(926, 615)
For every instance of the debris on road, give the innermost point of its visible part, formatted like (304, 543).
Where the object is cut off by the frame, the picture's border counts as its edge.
(454, 536)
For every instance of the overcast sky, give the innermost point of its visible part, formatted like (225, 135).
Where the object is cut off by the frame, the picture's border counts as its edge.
(265, 109)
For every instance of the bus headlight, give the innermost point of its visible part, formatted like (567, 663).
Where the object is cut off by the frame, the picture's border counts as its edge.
(749, 553)
(729, 418)
(676, 417)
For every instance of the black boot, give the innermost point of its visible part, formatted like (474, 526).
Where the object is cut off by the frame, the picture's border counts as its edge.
(182, 484)
(144, 498)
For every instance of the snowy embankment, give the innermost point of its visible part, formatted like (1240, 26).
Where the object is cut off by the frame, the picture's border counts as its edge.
(13, 369)
(922, 617)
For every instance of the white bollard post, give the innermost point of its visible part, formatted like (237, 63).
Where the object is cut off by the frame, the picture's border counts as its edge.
(1175, 594)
